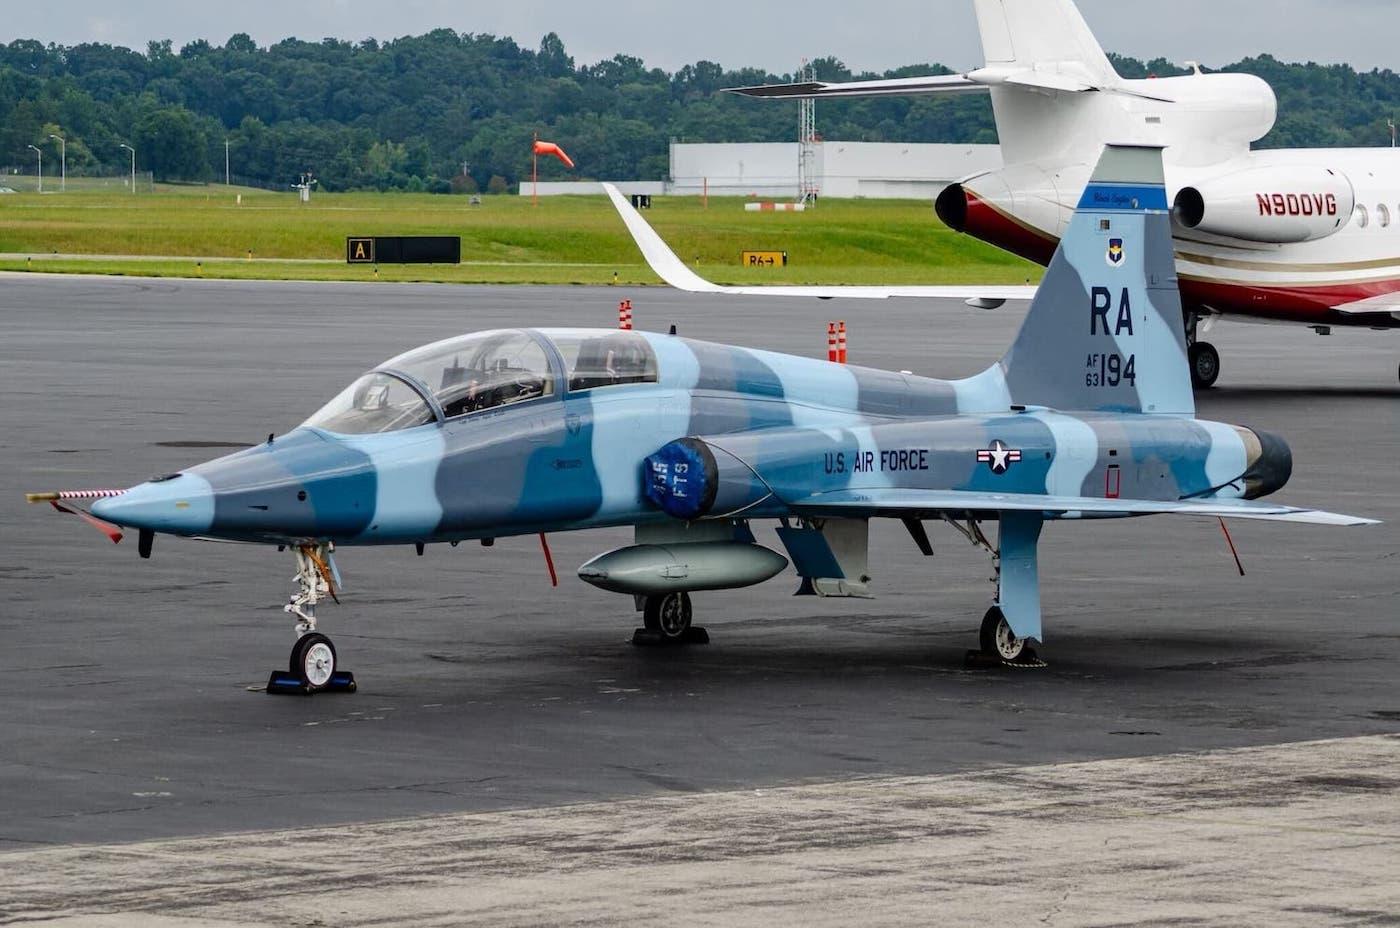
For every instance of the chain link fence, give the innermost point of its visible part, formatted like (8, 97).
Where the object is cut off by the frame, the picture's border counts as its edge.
(26, 180)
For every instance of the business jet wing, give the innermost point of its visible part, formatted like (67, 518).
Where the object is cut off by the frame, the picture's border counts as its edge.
(674, 271)
(1376, 305)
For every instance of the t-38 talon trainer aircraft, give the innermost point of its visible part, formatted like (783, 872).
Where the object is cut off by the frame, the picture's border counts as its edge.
(1089, 415)
(1301, 236)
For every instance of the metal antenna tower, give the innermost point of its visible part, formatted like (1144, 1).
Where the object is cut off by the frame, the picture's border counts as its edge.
(807, 186)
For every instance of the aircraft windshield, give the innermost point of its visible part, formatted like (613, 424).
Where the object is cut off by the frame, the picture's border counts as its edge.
(482, 371)
(374, 403)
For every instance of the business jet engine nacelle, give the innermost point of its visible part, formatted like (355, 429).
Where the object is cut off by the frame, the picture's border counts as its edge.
(1272, 205)
(1019, 208)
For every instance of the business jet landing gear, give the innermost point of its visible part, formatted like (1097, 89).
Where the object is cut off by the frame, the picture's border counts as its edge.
(1205, 365)
(666, 621)
(312, 665)
(1202, 357)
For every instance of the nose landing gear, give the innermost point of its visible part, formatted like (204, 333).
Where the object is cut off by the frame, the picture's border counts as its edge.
(312, 666)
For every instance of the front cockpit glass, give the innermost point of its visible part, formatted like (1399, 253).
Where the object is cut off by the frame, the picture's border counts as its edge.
(374, 403)
(478, 372)
(605, 359)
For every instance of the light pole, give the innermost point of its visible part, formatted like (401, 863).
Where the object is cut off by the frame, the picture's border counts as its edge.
(133, 165)
(226, 174)
(41, 166)
(63, 162)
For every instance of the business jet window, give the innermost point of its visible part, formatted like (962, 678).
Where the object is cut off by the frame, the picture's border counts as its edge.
(478, 372)
(1363, 218)
(594, 360)
(374, 403)
(1383, 215)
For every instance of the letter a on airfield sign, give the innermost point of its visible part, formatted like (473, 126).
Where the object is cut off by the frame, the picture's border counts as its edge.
(359, 251)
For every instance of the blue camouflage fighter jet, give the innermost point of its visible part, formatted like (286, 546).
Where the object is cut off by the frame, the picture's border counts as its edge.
(1089, 415)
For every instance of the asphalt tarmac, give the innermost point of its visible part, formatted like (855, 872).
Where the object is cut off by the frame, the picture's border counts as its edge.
(130, 702)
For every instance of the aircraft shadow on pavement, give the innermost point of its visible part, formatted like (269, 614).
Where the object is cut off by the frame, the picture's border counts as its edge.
(1303, 393)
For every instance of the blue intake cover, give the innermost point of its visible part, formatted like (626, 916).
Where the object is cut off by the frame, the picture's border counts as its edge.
(681, 479)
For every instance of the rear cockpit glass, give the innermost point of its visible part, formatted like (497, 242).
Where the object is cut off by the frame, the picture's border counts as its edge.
(481, 371)
(594, 360)
(374, 403)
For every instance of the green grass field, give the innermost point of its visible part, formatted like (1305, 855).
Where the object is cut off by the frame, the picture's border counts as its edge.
(202, 231)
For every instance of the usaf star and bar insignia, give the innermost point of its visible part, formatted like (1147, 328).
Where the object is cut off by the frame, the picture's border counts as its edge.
(998, 457)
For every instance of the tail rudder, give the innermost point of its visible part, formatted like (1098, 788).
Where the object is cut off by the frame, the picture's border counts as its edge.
(1105, 330)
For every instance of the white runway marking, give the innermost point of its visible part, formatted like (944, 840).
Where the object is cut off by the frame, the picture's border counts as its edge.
(1299, 834)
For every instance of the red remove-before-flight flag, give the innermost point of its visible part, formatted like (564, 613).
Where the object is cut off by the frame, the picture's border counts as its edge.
(549, 148)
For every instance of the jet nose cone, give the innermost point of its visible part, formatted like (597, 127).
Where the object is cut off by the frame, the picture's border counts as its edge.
(182, 504)
(1270, 464)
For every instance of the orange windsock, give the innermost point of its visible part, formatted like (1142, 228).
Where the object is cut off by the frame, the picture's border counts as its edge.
(549, 148)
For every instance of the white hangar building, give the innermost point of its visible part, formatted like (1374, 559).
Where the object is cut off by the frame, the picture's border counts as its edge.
(895, 170)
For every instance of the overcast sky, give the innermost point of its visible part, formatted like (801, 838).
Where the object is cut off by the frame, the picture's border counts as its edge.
(669, 33)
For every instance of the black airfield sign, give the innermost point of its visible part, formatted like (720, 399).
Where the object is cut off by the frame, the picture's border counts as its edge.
(359, 251)
(403, 249)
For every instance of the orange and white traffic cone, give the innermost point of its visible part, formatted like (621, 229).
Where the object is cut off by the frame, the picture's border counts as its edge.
(841, 342)
(831, 342)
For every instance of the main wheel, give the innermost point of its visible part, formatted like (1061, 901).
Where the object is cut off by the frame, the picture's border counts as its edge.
(998, 638)
(668, 614)
(313, 659)
(1205, 365)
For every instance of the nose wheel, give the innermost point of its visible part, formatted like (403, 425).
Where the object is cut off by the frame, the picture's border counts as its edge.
(312, 666)
(313, 660)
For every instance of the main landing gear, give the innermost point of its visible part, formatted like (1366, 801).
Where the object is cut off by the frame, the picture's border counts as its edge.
(1000, 645)
(1202, 357)
(312, 666)
(666, 621)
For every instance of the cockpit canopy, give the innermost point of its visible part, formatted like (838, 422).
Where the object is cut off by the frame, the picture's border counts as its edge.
(486, 370)
(481, 371)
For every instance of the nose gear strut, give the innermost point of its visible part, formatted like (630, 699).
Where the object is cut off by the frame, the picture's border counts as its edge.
(312, 666)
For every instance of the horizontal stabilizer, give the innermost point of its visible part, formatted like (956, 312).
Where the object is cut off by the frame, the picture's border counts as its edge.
(1036, 80)
(670, 268)
(899, 502)
(897, 87)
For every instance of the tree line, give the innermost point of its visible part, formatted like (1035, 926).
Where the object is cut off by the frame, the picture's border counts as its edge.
(455, 112)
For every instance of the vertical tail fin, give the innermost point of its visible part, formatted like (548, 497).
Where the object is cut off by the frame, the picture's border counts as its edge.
(1046, 34)
(1105, 331)
(1047, 39)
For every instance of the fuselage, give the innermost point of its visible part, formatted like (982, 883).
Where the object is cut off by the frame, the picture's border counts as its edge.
(1346, 202)
(563, 448)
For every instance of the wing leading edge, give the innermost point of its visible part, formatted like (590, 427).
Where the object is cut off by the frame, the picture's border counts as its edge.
(893, 502)
(664, 262)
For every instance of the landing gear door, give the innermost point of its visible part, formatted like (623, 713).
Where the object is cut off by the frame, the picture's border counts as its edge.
(831, 556)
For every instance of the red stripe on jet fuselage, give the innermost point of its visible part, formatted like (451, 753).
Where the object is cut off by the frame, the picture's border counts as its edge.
(1293, 303)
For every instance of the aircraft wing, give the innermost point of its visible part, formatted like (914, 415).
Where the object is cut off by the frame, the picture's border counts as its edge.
(1376, 305)
(675, 272)
(897, 502)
